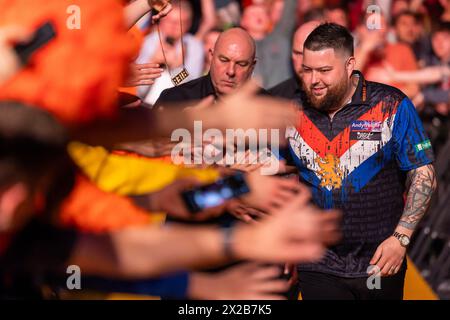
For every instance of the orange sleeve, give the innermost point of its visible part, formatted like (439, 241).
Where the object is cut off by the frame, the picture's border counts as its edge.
(401, 57)
(90, 209)
(409, 61)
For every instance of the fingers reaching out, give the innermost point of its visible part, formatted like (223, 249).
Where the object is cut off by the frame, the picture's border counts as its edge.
(143, 74)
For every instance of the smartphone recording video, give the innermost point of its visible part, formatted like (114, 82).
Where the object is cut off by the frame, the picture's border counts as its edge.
(216, 193)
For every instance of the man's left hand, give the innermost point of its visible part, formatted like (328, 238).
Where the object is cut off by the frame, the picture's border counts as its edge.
(388, 257)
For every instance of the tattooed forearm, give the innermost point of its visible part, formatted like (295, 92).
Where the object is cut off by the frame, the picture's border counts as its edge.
(421, 183)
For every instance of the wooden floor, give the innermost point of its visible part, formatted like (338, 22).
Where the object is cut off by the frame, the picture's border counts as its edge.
(416, 287)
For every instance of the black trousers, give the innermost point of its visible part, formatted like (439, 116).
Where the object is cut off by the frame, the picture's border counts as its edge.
(321, 286)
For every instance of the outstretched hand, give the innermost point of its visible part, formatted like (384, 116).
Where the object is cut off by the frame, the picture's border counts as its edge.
(296, 232)
(143, 74)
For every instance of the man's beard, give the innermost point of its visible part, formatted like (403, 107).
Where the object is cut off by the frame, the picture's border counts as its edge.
(332, 99)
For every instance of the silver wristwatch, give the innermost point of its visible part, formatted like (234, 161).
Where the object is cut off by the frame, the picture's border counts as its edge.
(403, 238)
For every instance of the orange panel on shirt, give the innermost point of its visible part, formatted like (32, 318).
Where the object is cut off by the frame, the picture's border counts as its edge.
(92, 210)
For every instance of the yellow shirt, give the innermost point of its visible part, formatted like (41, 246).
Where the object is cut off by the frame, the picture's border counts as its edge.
(128, 175)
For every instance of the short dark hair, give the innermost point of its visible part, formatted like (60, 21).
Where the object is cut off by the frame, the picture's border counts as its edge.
(330, 35)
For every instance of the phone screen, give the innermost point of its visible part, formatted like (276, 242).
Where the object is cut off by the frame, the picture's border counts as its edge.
(215, 194)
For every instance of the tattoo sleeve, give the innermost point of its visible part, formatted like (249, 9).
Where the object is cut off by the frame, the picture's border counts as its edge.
(421, 183)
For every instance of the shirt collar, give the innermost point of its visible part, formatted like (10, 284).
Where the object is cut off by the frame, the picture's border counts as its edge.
(209, 87)
(360, 95)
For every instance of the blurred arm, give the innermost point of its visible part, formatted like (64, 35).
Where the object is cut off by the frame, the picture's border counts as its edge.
(135, 11)
(208, 18)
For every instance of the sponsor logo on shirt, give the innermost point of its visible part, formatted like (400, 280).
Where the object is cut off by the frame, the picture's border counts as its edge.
(330, 172)
(365, 130)
(424, 145)
(366, 125)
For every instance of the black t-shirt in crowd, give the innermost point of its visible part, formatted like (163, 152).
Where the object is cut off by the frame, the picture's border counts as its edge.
(193, 90)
